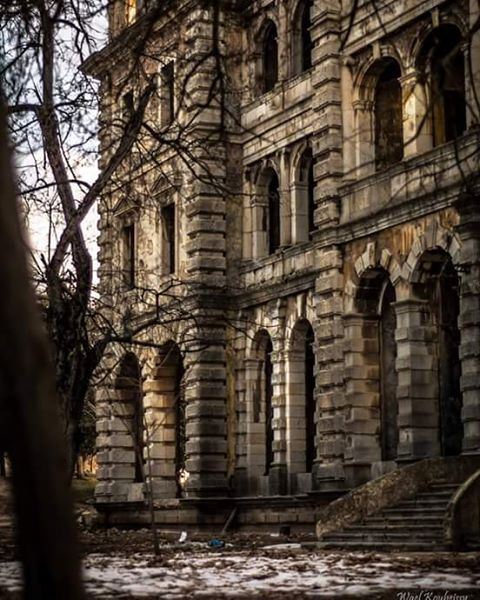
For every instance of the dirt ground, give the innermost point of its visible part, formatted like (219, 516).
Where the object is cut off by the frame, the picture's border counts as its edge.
(120, 564)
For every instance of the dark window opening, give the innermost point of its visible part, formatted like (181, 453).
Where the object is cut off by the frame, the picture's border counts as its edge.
(306, 38)
(311, 200)
(388, 375)
(268, 373)
(168, 239)
(273, 213)
(444, 61)
(388, 117)
(180, 426)
(309, 401)
(128, 235)
(168, 94)
(127, 106)
(270, 58)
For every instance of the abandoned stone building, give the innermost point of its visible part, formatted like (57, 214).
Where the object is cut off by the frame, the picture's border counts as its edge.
(312, 211)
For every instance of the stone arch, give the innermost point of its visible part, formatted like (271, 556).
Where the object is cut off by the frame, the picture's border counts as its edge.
(436, 284)
(303, 194)
(379, 113)
(370, 374)
(300, 409)
(165, 417)
(129, 395)
(268, 210)
(259, 422)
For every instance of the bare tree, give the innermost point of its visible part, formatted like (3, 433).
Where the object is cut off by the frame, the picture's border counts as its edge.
(29, 416)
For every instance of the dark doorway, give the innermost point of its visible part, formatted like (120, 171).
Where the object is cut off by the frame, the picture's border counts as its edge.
(309, 401)
(447, 298)
(129, 379)
(268, 374)
(388, 375)
(180, 423)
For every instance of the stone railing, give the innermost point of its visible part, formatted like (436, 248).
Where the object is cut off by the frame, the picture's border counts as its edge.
(432, 174)
(462, 518)
(391, 488)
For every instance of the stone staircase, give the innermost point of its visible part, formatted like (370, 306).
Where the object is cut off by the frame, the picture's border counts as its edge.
(414, 525)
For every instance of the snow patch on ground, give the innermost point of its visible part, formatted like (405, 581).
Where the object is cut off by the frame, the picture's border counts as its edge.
(202, 574)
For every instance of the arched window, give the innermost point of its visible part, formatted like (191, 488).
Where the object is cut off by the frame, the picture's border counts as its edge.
(270, 57)
(129, 383)
(442, 62)
(388, 116)
(273, 212)
(302, 41)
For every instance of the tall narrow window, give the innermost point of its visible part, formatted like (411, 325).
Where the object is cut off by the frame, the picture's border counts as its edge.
(168, 239)
(127, 106)
(167, 94)
(273, 213)
(270, 57)
(268, 372)
(306, 38)
(128, 258)
(311, 200)
(388, 117)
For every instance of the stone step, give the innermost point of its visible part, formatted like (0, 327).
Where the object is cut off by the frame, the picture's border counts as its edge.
(413, 511)
(393, 527)
(409, 520)
(387, 535)
(384, 545)
(423, 503)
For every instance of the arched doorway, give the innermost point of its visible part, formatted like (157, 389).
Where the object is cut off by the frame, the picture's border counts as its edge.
(438, 283)
(371, 378)
(170, 372)
(128, 385)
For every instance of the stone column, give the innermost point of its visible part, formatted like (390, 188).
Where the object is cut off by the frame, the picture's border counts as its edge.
(328, 471)
(362, 397)
(205, 205)
(469, 232)
(277, 477)
(326, 105)
(417, 135)
(473, 59)
(417, 392)
(364, 137)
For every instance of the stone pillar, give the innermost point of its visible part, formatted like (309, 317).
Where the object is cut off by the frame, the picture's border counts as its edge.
(277, 477)
(362, 397)
(328, 471)
(205, 204)
(285, 208)
(364, 138)
(473, 58)
(469, 321)
(160, 436)
(326, 105)
(299, 195)
(115, 449)
(417, 134)
(417, 392)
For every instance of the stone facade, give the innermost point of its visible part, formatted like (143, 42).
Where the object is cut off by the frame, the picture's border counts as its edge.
(323, 309)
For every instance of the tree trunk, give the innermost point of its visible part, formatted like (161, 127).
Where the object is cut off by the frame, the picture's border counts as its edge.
(29, 417)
